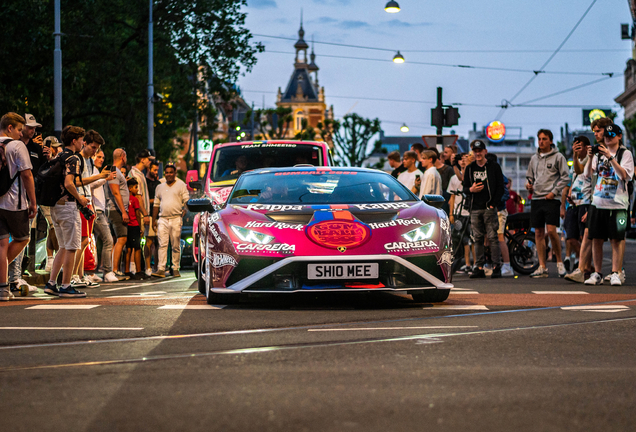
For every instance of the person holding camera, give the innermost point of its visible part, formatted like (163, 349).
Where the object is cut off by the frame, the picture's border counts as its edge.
(547, 177)
(613, 165)
(484, 187)
(66, 214)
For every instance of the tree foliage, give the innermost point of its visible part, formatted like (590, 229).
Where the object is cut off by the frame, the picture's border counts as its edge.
(200, 47)
(270, 123)
(351, 137)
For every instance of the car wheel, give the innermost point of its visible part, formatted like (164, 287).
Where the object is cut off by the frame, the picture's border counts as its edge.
(198, 271)
(197, 264)
(430, 295)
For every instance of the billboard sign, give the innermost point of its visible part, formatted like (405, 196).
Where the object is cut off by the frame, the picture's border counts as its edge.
(589, 115)
(496, 131)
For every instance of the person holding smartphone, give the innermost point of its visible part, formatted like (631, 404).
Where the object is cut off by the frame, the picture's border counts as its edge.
(484, 187)
(408, 177)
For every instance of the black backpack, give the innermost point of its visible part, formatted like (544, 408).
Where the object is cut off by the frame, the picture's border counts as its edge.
(630, 182)
(49, 182)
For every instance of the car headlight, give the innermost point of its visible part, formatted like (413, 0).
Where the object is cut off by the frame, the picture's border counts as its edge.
(422, 233)
(250, 236)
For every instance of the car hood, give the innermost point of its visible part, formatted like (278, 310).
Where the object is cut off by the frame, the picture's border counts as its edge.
(345, 229)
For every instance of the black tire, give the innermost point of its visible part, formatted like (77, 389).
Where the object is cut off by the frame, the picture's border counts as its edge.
(523, 253)
(430, 295)
(197, 263)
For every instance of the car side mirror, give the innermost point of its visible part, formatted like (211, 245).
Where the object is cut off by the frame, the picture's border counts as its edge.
(436, 201)
(194, 185)
(198, 205)
(192, 176)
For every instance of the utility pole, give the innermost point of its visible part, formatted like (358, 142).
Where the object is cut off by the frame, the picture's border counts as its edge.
(440, 109)
(443, 116)
(151, 86)
(57, 72)
(195, 138)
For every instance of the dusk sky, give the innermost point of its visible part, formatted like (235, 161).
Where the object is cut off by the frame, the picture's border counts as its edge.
(519, 34)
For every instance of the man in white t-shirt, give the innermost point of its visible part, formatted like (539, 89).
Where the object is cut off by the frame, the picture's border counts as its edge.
(169, 206)
(408, 177)
(609, 212)
(18, 205)
(459, 211)
(431, 181)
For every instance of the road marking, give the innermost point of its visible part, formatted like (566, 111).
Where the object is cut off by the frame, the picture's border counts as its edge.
(461, 289)
(465, 292)
(597, 308)
(389, 328)
(559, 292)
(64, 306)
(461, 307)
(148, 283)
(192, 307)
(71, 328)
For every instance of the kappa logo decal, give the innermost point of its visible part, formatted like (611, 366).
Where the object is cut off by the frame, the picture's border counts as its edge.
(274, 207)
(383, 206)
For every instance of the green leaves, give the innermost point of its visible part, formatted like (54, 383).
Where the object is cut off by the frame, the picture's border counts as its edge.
(351, 137)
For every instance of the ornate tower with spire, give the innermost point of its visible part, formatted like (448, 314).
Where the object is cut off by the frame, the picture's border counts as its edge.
(302, 94)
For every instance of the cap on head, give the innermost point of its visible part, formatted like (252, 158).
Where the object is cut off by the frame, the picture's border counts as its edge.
(52, 141)
(478, 145)
(612, 131)
(30, 121)
(145, 153)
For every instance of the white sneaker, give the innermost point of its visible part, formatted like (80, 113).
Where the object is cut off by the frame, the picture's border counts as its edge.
(49, 264)
(76, 282)
(576, 276)
(621, 275)
(561, 269)
(615, 279)
(133, 268)
(595, 279)
(31, 289)
(110, 277)
(148, 272)
(95, 278)
(540, 272)
(89, 282)
(507, 271)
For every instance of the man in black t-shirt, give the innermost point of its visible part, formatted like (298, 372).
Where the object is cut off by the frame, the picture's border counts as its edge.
(395, 161)
(152, 180)
(484, 188)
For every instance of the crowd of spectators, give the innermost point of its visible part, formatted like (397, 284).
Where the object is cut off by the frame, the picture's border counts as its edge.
(125, 212)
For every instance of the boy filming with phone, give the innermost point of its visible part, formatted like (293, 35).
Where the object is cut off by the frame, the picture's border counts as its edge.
(484, 187)
(408, 177)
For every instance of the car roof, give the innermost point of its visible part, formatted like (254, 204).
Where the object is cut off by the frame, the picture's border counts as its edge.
(324, 169)
(242, 143)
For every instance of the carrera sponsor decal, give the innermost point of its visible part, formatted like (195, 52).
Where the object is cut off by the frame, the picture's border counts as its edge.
(383, 206)
(409, 246)
(276, 247)
(274, 207)
(288, 173)
(337, 230)
(221, 260)
(275, 225)
(396, 222)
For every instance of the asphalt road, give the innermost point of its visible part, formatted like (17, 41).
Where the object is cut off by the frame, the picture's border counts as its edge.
(507, 354)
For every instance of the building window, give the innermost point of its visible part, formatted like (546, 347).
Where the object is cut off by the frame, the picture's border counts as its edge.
(299, 120)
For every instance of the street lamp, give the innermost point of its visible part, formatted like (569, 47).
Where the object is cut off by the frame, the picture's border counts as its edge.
(404, 128)
(392, 7)
(398, 58)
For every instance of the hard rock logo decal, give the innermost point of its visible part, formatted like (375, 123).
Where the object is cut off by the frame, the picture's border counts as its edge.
(337, 230)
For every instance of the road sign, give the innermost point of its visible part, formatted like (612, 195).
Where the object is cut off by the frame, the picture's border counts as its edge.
(204, 149)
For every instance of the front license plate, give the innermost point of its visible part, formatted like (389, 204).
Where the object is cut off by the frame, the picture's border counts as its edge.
(343, 271)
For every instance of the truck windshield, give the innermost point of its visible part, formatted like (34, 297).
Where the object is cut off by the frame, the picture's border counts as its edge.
(230, 162)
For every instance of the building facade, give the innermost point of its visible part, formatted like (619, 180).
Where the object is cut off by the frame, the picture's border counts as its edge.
(303, 94)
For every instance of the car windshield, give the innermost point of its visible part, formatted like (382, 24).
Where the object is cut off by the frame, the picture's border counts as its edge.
(319, 187)
(230, 162)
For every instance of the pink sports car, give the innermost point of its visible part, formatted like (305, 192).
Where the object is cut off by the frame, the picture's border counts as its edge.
(286, 230)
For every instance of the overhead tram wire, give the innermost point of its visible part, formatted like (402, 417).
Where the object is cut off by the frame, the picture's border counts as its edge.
(540, 70)
(512, 51)
(566, 90)
(453, 103)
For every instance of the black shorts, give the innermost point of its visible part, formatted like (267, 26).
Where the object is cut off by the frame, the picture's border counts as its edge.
(133, 240)
(545, 212)
(607, 224)
(574, 228)
(15, 224)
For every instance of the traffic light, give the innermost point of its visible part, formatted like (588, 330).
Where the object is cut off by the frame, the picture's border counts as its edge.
(451, 117)
(437, 117)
